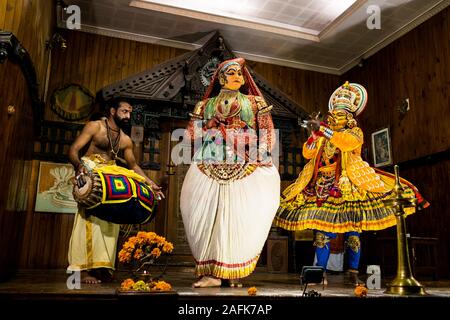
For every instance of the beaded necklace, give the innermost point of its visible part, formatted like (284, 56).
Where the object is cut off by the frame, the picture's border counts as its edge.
(116, 143)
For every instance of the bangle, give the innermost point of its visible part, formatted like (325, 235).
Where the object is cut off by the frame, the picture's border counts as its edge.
(328, 133)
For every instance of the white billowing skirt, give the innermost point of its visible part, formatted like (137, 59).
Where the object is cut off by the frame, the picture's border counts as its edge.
(227, 224)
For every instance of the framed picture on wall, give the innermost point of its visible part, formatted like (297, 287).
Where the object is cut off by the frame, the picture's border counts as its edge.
(54, 189)
(381, 148)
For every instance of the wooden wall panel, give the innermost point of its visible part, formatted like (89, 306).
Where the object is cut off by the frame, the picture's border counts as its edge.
(31, 22)
(15, 137)
(309, 89)
(96, 61)
(46, 236)
(417, 66)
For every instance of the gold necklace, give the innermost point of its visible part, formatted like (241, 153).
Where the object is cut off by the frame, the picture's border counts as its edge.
(116, 141)
(329, 150)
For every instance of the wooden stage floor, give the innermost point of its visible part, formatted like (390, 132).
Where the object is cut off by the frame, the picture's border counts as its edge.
(41, 288)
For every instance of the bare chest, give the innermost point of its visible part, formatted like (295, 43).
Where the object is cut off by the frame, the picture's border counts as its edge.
(108, 141)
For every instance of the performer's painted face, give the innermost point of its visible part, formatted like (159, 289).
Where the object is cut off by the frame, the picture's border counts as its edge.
(122, 116)
(233, 77)
(337, 119)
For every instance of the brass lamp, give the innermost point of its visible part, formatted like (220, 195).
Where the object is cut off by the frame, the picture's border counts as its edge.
(404, 282)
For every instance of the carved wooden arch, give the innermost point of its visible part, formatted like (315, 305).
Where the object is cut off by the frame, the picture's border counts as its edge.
(12, 49)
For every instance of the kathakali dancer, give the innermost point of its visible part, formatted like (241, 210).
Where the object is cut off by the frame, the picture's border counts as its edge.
(231, 191)
(338, 192)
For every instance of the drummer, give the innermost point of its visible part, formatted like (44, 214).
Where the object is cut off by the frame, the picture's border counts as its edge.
(92, 248)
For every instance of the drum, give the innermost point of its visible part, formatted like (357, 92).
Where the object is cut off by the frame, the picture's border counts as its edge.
(115, 198)
(89, 194)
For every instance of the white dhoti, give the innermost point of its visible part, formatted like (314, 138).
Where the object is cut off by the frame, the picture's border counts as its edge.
(227, 224)
(93, 242)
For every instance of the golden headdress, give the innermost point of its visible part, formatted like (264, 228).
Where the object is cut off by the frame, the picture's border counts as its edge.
(351, 97)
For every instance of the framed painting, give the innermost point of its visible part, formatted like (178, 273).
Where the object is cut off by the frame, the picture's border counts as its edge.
(381, 148)
(54, 188)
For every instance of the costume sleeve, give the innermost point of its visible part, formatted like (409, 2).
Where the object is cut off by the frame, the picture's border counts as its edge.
(309, 149)
(267, 139)
(348, 140)
(196, 116)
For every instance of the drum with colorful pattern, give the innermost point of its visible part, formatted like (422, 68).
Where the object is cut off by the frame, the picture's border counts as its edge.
(116, 198)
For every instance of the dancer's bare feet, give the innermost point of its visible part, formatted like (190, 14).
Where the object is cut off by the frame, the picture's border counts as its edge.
(206, 282)
(235, 283)
(89, 279)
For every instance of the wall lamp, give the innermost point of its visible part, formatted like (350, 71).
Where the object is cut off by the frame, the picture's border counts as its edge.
(57, 40)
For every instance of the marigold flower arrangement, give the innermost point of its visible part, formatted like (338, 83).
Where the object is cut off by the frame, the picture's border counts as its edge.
(140, 285)
(141, 251)
(144, 248)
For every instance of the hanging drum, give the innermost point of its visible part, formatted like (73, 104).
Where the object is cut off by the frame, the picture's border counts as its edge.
(115, 198)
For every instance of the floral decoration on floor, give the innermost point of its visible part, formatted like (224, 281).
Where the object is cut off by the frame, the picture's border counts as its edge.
(252, 291)
(129, 285)
(361, 291)
(141, 252)
(144, 247)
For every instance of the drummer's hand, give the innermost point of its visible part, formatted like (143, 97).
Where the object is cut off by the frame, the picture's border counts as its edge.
(157, 189)
(79, 176)
(81, 170)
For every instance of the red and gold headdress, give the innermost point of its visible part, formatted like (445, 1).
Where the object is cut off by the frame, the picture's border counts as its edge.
(249, 87)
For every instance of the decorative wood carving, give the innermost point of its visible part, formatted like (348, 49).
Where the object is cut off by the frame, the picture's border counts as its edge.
(182, 81)
(55, 139)
(11, 48)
